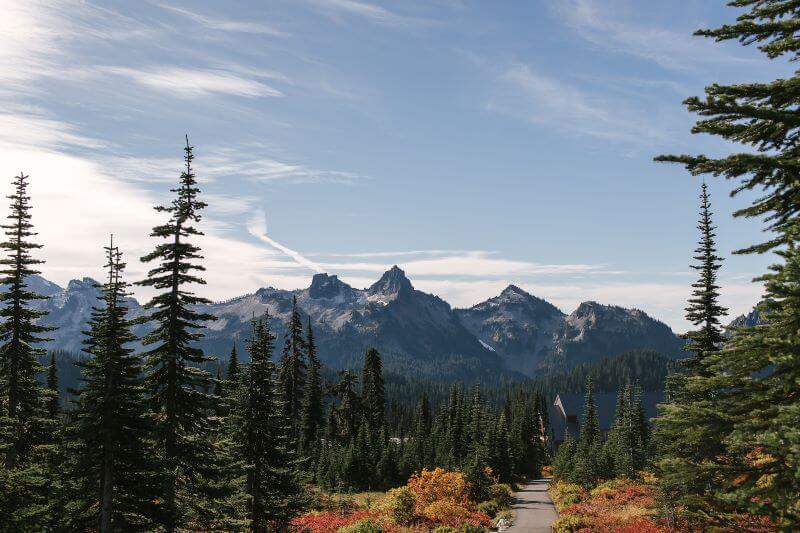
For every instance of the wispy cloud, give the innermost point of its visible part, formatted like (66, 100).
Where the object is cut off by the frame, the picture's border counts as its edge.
(366, 10)
(523, 93)
(28, 127)
(39, 36)
(598, 23)
(195, 83)
(253, 164)
(223, 24)
(257, 227)
(403, 253)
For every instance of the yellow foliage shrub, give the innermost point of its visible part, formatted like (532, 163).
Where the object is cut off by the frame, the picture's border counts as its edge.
(399, 505)
(444, 511)
(439, 485)
(570, 523)
(502, 494)
(566, 493)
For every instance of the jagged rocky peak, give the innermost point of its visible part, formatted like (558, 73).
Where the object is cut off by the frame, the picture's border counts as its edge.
(327, 286)
(84, 284)
(512, 291)
(393, 281)
(753, 318)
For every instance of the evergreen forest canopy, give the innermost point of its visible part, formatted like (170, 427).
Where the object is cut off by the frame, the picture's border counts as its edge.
(153, 441)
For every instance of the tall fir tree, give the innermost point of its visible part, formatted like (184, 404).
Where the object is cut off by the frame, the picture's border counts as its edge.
(175, 382)
(373, 393)
(502, 451)
(53, 399)
(564, 460)
(232, 374)
(22, 398)
(586, 470)
(264, 440)
(690, 430)
(293, 365)
(348, 412)
(311, 409)
(754, 407)
(113, 478)
(704, 311)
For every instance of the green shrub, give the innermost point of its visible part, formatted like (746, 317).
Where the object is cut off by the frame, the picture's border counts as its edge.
(469, 528)
(399, 504)
(502, 494)
(489, 507)
(566, 493)
(445, 529)
(569, 522)
(367, 525)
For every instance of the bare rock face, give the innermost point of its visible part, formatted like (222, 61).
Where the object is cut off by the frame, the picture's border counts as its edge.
(532, 336)
(518, 326)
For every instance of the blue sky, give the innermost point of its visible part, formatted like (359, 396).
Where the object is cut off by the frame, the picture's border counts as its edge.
(475, 144)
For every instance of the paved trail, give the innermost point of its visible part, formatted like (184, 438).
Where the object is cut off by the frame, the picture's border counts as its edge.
(534, 509)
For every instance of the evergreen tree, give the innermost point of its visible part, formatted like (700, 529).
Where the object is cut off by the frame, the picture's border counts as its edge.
(704, 310)
(502, 451)
(640, 430)
(264, 436)
(232, 375)
(564, 461)
(586, 470)
(348, 412)
(752, 403)
(537, 436)
(293, 365)
(175, 382)
(759, 392)
(113, 478)
(372, 389)
(691, 436)
(219, 391)
(21, 398)
(53, 401)
(619, 444)
(311, 409)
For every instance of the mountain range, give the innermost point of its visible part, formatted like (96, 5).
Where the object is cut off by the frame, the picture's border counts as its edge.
(514, 333)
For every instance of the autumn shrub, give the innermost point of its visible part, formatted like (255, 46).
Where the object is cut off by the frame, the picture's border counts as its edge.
(326, 522)
(502, 494)
(399, 505)
(470, 528)
(570, 522)
(437, 485)
(365, 525)
(641, 525)
(489, 507)
(445, 511)
(564, 493)
(445, 529)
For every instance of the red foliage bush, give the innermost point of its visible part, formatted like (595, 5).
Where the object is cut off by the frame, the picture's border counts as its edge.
(640, 525)
(331, 522)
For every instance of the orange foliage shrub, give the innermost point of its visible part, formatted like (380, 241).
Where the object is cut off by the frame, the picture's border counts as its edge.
(445, 511)
(437, 485)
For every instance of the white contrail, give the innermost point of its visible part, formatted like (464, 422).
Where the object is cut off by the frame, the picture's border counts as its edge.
(257, 227)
